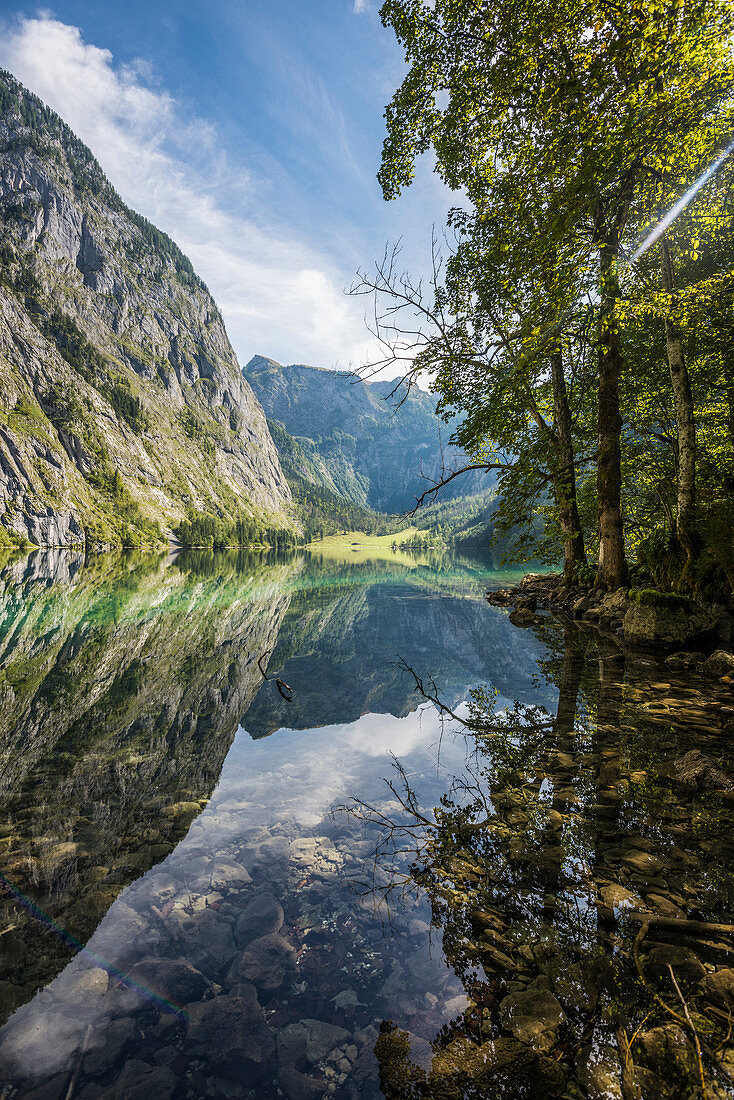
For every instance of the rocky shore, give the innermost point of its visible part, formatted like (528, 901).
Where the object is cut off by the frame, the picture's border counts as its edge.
(640, 618)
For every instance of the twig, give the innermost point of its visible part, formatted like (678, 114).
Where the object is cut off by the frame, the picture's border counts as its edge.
(82, 1052)
(283, 688)
(693, 1029)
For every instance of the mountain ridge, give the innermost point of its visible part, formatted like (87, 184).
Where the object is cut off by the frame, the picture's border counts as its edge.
(375, 454)
(123, 408)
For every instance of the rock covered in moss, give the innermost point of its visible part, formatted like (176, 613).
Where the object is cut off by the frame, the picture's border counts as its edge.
(663, 620)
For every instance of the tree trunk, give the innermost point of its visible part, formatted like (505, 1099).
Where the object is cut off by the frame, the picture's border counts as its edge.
(612, 572)
(686, 517)
(574, 553)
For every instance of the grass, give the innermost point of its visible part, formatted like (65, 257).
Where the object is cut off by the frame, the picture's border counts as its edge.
(357, 540)
(355, 546)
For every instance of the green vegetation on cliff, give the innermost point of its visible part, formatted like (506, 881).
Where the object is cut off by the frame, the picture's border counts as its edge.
(123, 411)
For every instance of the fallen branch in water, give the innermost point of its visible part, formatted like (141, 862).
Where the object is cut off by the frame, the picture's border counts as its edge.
(283, 688)
(682, 925)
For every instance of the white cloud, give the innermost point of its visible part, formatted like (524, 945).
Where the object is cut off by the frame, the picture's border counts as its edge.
(278, 295)
(360, 6)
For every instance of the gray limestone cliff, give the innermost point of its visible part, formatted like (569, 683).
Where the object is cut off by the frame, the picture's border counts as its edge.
(359, 439)
(122, 406)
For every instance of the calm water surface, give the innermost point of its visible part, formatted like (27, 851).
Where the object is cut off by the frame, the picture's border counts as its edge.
(210, 890)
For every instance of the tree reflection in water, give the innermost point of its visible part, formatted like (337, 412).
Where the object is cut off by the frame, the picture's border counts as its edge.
(582, 890)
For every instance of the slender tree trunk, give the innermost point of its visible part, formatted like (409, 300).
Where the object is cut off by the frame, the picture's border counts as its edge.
(685, 419)
(574, 553)
(612, 570)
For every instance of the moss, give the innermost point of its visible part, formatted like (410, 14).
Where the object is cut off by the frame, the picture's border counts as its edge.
(667, 601)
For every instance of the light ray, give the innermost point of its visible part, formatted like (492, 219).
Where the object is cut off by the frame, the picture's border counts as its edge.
(681, 204)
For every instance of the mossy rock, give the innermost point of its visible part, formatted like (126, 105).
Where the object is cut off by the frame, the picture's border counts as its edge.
(651, 597)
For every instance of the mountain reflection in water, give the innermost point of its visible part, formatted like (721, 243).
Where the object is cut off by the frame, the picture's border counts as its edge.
(480, 934)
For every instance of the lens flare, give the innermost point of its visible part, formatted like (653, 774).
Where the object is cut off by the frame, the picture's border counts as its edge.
(681, 204)
(160, 1002)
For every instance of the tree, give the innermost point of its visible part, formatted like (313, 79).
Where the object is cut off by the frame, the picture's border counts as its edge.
(582, 103)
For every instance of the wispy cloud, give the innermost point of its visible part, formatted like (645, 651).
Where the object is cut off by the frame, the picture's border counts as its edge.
(360, 6)
(279, 296)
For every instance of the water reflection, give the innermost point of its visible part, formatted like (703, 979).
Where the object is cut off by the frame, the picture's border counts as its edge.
(167, 808)
(123, 684)
(580, 873)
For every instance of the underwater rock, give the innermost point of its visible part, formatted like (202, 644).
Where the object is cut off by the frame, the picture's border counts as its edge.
(107, 1046)
(533, 1016)
(665, 1049)
(719, 987)
(208, 943)
(268, 961)
(140, 1081)
(233, 1032)
(700, 772)
(263, 915)
(175, 980)
(683, 961)
(598, 1071)
(615, 896)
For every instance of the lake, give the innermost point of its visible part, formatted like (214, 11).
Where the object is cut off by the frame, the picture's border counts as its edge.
(321, 825)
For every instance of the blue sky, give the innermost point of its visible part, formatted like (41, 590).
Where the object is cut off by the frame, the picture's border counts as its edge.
(249, 131)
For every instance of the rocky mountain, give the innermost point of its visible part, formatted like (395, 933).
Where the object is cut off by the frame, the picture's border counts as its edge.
(349, 436)
(122, 406)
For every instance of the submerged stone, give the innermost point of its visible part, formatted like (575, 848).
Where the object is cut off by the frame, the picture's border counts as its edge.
(268, 961)
(233, 1032)
(174, 980)
(262, 916)
(533, 1016)
(719, 987)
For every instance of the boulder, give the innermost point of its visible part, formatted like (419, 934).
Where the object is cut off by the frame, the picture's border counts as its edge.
(522, 617)
(174, 980)
(719, 987)
(107, 1046)
(683, 961)
(666, 1050)
(261, 917)
(309, 1041)
(665, 621)
(614, 606)
(268, 961)
(598, 1071)
(690, 658)
(700, 772)
(208, 943)
(140, 1081)
(233, 1033)
(720, 663)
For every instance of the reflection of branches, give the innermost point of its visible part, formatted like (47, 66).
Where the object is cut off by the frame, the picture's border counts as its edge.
(396, 840)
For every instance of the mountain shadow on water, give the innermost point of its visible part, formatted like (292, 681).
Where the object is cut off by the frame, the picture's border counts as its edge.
(121, 688)
(342, 649)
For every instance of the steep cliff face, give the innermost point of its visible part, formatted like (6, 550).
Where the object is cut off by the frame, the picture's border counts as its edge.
(354, 440)
(122, 405)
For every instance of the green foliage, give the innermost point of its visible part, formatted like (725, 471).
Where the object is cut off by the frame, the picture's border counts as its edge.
(203, 529)
(127, 406)
(572, 129)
